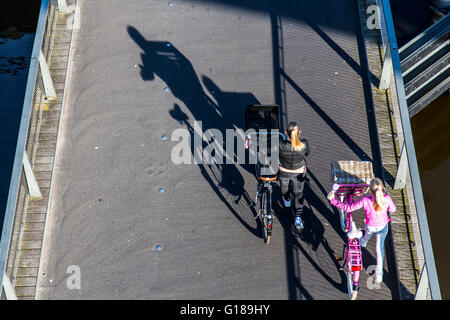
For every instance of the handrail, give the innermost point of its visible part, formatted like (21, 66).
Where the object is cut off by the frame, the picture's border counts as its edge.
(22, 139)
(438, 26)
(266, 133)
(393, 51)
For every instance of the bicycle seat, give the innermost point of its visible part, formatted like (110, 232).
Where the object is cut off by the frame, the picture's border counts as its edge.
(266, 173)
(354, 233)
(268, 178)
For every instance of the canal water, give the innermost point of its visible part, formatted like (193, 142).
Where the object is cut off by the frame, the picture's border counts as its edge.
(17, 27)
(431, 131)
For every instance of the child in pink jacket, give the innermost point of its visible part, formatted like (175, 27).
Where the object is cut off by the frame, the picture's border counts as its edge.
(376, 206)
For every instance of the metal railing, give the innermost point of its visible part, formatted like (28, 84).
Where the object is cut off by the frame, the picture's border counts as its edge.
(23, 184)
(392, 79)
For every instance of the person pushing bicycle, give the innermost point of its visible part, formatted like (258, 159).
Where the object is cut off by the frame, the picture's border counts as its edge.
(376, 206)
(292, 169)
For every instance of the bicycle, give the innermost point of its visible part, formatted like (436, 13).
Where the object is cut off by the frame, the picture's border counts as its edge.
(353, 178)
(263, 119)
(264, 191)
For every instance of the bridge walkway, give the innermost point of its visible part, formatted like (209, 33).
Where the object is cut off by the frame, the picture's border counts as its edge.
(139, 226)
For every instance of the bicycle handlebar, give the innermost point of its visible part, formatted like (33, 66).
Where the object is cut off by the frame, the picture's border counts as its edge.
(267, 133)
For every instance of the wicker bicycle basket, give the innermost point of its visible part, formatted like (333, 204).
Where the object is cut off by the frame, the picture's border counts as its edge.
(351, 172)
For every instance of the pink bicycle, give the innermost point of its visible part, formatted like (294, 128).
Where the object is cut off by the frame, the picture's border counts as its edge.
(351, 180)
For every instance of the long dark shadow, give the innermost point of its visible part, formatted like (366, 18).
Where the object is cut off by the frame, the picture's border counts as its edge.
(278, 64)
(359, 69)
(312, 236)
(163, 60)
(317, 202)
(314, 230)
(296, 290)
(331, 123)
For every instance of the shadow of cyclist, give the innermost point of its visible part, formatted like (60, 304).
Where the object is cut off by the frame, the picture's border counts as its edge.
(225, 180)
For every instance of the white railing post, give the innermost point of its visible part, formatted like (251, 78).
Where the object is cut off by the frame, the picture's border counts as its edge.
(33, 187)
(422, 289)
(62, 6)
(9, 290)
(46, 77)
(400, 178)
(387, 70)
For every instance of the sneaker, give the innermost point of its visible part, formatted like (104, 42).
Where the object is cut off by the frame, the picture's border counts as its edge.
(361, 242)
(299, 223)
(287, 203)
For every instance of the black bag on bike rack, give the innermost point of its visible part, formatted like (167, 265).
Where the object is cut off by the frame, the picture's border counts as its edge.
(262, 117)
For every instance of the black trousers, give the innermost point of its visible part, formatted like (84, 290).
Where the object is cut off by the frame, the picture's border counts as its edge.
(293, 182)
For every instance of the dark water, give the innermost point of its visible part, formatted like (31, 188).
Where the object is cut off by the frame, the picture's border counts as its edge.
(410, 18)
(20, 14)
(18, 21)
(431, 130)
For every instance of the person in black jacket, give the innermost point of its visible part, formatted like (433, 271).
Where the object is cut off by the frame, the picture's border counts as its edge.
(292, 170)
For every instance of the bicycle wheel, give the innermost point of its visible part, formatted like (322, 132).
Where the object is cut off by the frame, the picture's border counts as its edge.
(343, 220)
(350, 275)
(354, 291)
(266, 222)
(343, 216)
(350, 291)
(267, 235)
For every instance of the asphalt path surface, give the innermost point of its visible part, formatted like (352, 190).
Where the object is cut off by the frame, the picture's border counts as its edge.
(141, 70)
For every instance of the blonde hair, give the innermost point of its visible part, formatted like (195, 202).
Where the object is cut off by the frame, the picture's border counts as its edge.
(377, 190)
(293, 131)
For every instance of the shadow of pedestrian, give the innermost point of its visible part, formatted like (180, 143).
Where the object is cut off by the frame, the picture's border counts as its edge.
(161, 59)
